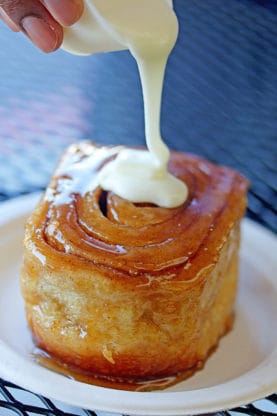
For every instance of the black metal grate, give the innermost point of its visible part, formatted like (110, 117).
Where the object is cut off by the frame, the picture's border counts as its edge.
(16, 401)
(223, 74)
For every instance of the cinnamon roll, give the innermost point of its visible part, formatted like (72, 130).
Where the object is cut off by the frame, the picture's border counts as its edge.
(132, 291)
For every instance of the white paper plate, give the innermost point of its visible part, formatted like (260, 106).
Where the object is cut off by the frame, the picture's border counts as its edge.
(243, 369)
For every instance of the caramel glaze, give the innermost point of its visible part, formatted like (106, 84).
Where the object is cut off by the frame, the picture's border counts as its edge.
(137, 241)
(57, 366)
(161, 383)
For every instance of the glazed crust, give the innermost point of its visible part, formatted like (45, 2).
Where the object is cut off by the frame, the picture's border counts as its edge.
(132, 291)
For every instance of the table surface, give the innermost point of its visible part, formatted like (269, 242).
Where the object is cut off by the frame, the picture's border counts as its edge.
(219, 102)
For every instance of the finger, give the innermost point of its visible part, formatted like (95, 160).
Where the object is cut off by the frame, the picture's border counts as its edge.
(66, 12)
(36, 22)
(8, 21)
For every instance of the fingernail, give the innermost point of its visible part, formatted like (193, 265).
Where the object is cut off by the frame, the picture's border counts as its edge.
(67, 12)
(40, 32)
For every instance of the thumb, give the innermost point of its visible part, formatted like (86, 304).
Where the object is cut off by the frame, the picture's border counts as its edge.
(35, 21)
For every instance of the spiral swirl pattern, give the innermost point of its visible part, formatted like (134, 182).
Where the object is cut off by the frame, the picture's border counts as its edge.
(102, 229)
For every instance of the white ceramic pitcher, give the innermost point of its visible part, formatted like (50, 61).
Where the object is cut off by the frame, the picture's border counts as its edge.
(92, 34)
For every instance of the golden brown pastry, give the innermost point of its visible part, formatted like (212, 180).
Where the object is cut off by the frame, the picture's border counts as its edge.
(132, 291)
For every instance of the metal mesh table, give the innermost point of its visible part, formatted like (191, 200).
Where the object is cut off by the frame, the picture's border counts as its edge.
(16, 401)
(219, 102)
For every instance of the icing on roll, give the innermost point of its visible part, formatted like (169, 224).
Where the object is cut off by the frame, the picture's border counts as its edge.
(148, 28)
(133, 175)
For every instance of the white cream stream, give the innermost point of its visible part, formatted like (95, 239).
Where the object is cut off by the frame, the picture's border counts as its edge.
(148, 28)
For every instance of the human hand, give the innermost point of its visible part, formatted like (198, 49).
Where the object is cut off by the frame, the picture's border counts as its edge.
(41, 20)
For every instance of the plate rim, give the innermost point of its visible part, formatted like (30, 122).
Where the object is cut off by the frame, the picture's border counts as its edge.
(121, 401)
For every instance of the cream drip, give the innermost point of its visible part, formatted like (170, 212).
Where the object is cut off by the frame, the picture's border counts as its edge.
(148, 28)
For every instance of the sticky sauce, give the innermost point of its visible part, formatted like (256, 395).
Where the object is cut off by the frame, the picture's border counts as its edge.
(49, 362)
(149, 29)
(162, 383)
